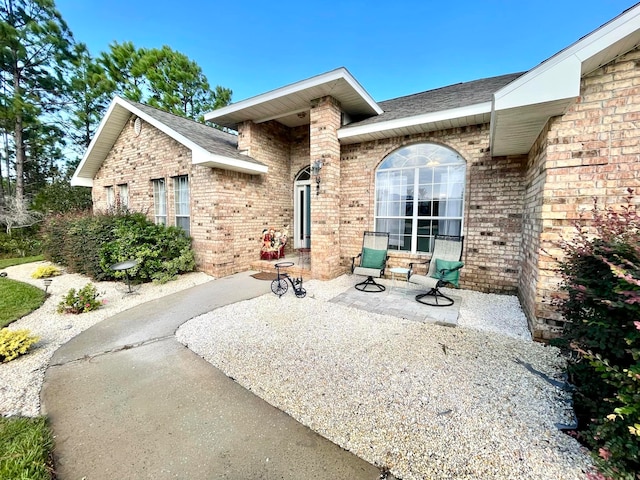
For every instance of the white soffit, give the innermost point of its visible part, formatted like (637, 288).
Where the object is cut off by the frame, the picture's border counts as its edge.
(284, 104)
(428, 122)
(522, 108)
(115, 120)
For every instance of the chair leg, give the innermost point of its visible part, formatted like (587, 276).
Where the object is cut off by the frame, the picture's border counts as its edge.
(370, 283)
(434, 298)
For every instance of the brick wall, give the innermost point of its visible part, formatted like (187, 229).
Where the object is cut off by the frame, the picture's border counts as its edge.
(271, 197)
(493, 205)
(531, 232)
(592, 151)
(325, 207)
(228, 209)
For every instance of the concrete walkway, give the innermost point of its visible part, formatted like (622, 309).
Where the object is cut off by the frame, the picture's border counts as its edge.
(125, 400)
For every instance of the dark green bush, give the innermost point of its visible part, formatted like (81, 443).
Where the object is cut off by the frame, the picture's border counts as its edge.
(23, 242)
(162, 252)
(90, 244)
(601, 273)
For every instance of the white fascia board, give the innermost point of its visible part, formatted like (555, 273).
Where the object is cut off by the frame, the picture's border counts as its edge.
(340, 73)
(200, 157)
(81, 181)
(556, 81)
(477, 109)
(76, 179)
(560, 75)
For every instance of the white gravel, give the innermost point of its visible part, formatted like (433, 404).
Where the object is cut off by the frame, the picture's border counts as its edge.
(423, 400)
(21, 379)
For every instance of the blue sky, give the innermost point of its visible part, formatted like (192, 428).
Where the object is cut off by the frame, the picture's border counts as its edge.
(393, 48)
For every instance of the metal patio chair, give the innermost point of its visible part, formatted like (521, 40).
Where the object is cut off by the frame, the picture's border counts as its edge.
(444, 268)
(373, 260)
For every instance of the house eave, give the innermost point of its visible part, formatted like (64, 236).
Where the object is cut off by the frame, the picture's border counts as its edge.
(457, 117)
(291, 101)
(207, 159)
(116, 118)
(522, 108)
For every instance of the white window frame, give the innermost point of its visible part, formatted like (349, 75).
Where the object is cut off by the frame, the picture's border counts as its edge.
(182, 202)
(417, 168)
(110, 194)
(123, 195)
(160, 201)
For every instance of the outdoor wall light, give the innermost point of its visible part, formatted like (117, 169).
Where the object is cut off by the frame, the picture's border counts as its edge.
(315, 171)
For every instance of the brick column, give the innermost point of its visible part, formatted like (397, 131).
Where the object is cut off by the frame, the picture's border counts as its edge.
(325, 205)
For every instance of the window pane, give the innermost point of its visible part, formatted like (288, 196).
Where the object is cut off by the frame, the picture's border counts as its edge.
(421, 184)
(181, 193)
(183, 223)
(399, 232)
(110, 196)
(123, 194)
(424, 244)
(160, 201)
(449, 227)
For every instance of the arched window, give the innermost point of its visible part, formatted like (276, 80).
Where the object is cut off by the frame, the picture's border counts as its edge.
(419, 194)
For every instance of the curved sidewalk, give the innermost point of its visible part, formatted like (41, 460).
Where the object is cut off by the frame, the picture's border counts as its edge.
(126, 400)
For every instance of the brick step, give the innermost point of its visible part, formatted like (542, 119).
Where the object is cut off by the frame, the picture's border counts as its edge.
(297, 270)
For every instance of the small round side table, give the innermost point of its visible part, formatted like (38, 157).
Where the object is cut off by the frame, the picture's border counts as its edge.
(397, 271)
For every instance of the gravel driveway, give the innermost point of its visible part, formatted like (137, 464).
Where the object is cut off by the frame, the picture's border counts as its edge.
(425, 401)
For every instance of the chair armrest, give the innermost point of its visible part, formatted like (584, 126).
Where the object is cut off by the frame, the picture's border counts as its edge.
(384, 264)
(353, 261)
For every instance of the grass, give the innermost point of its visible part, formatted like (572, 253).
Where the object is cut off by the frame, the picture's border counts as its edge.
(17, 299)
(25, 449)
(9, 262)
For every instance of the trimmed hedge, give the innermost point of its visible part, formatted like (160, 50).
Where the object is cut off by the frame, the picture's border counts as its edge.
(89, 244)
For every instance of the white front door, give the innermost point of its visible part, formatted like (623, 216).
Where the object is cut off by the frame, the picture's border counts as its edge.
(302, 214)
(302, 209)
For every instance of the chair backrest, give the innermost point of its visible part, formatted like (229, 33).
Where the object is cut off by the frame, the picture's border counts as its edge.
(376, 240)
(446, 247)
(374, 249)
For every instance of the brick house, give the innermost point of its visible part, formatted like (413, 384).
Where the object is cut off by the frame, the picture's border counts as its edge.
(507, 161)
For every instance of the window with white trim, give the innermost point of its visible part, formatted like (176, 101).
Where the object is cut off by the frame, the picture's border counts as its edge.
(123, 195)
(111, 196)
(181, 195)
(160, 201)
(419, 194)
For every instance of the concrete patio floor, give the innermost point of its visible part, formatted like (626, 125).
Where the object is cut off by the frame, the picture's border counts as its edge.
(399, 301)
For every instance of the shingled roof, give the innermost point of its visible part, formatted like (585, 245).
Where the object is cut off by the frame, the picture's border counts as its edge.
(211, 139)
(440, 99)
(209, 146)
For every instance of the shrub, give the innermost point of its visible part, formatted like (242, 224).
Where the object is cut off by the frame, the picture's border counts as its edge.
(162, 252)
(21, 243)
(90, 244)
(601, 278)
(81, 301)
(46, 271)
(14, 343)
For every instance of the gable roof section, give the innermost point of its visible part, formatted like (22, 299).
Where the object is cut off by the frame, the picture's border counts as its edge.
(522, 108)
(289, 104)
(209, 146)
(456, 105)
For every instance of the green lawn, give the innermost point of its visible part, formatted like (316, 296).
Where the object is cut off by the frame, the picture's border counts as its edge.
(8, 262)
(17, 299)
(25, 448)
